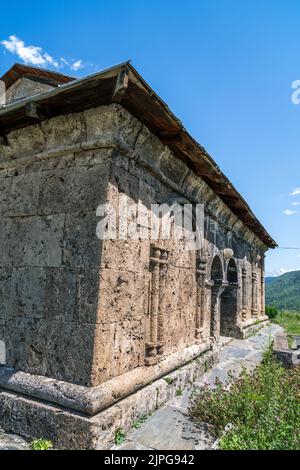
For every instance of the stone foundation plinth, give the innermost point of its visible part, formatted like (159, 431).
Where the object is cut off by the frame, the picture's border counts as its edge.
(282, 352)
(251, 327)
(70, 429)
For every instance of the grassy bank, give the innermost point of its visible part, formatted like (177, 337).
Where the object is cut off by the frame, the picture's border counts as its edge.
(263, 409)
(290, 321)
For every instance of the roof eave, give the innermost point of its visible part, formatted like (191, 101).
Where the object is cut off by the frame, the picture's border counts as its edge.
(131, 90)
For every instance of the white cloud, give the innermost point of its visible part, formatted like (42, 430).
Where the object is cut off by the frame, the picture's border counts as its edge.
(77, 65)
(289, 212)
(295, 192)
(295, 203)
(35, 55)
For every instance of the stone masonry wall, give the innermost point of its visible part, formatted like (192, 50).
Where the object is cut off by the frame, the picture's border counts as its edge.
(75, 308)
(25, 87)
(50, 258)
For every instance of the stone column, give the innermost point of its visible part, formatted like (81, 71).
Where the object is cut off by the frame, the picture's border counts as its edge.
(162, 301)
(244, 294)
(254, 294)
(151, 347)
(158, 260)
(263, 287)
(200, 305)
(216, 291)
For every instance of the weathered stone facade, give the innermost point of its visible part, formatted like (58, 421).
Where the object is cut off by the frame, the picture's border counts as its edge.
(85, 322)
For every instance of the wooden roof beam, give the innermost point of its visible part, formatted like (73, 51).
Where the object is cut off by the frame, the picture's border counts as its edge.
(121, 85)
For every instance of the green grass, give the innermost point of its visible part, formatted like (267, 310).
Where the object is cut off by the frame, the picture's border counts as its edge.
(262, 409)
(41, 444)
(169, 380)
(120, 436)
(138, 423)
(290, 321)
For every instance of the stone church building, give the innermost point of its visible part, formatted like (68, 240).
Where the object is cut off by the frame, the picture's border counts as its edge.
(89, 327)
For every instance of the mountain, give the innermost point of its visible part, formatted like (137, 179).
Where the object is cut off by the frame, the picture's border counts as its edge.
(283, 291)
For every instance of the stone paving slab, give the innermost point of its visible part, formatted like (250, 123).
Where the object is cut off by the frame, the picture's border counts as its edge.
(170, 428)
(12, 442)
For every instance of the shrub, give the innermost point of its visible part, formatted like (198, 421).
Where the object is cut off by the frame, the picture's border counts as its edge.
(272, 312)
(263, 409)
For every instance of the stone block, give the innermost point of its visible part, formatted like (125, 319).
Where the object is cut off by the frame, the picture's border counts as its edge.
(149, 148)
(122, 296)
(76, 189)
(118, 348)
(87, 295)
(60, 294)
(2, 353)
(5, 283)
(62, 131)
(5, 190)
(28, 292)
(140, 404)
(24, 195)
(67, 430)
(24, 143)
(113, 124)
(82, 247)
(62, 350)
(32, 241)
(173, 168)
(69, 351)
(26, 340)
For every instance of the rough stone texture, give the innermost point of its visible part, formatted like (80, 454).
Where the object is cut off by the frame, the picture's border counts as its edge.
(85, 311)
(12, 442)
(289, 357)
(70, 430)
(25, 87)
(90, 400)
(169, 428)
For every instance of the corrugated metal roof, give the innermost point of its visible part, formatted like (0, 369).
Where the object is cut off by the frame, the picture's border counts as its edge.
(124, 85)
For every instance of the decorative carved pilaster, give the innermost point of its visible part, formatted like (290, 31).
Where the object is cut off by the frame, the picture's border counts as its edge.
(263, 287)
(216, 291)
(162, 301)
(158, 262)
(201, 276)
(254, 294)
(244, 294)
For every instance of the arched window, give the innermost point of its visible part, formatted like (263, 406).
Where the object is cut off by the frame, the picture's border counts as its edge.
(216, 269)
(232, 274)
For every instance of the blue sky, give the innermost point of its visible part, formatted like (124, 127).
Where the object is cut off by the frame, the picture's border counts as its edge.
(225, 67)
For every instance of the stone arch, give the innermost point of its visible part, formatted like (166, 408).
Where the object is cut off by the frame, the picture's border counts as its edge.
(232, 272)
(216, 272)
(217, 283)
(229, 301)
